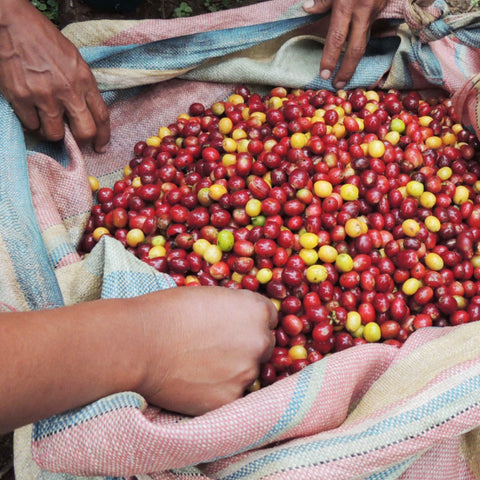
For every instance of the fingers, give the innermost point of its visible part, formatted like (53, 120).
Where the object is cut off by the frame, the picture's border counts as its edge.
(350, 24)
(101, 117)
(336, 39)
(88, 116)
(356, 48)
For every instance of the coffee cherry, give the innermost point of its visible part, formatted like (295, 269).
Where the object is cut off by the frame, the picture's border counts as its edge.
(356, 213)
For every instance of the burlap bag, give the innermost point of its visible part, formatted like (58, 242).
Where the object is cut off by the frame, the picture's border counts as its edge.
(370, 412)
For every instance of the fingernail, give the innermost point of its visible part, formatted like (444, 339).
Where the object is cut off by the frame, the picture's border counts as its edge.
(325, 74)
(101, 149)
(308, 4)
(339, 85)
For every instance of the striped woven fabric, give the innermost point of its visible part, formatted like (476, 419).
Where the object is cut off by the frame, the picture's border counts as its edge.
(372, 412)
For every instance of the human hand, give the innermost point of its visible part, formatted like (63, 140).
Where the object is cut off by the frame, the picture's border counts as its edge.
(350, 25)
(208, 347)
(45, 79)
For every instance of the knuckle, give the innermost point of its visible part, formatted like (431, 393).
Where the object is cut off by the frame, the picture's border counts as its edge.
(54, 135)
(355, 51)
(85, 134)
(102, 115)
(336, 39)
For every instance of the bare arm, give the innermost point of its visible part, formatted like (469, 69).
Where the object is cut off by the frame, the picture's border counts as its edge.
(45, 79)
(350, 25)
(184, 349)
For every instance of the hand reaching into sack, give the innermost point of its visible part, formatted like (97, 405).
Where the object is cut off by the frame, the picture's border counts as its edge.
(45, 79)
(350, 23)
(186, 349)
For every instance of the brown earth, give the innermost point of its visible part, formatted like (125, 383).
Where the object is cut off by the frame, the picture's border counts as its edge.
(76, 10)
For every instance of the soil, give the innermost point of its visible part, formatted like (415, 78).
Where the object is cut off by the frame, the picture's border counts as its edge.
(77, 10)
(6, 457)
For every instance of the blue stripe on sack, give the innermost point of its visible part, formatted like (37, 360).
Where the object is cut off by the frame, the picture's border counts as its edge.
(469, 36)
(394, 471)
(297, 401)
(463, 397)
(377, 60)
(60, 252)
(422, 55)
(190, 50)
(60, 423)
(125, 284)
(20, 231)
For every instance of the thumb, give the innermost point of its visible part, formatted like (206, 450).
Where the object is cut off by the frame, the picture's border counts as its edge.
(317, 6)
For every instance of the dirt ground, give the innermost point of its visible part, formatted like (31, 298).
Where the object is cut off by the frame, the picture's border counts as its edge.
(76, 10)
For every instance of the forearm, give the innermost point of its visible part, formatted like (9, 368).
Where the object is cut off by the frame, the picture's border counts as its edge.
(55, 360)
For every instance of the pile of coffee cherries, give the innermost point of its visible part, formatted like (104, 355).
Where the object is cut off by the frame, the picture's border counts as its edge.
(357, 213)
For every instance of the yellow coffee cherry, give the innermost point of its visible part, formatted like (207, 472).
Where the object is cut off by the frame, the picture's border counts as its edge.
(425, 120)
(354, 321)
(235, 99)
(276, 303)
(137, 182)
(392, 137)
(376, 149)
(316, 273)
(434, 261)
(264, 275)
(297, 352)
(411, 286)
(410, 227)
(99, 232)
(327, 254)
(372, 95)
(358, 333)
(157, 251)
(415, 188)
(298, 140)
(164, 132)
(434, 142)
(322, 188)
(135, 237)
(94, 184)
(260, 115)
(216, 191)
(349, 192)
(229, 159)
(372, 332)
(225, 125)
(153, 141)
(229, 145)
(461, 194)
(449, 139)
(200, 246)
(344, 262)
(308, 240)
(353, 227)
(253, 207)
(158, 240)
(127, 170)
(308, 255)
(239, 134)
(428, 199)
(212, 254)
(444, 173)
(432, 223)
